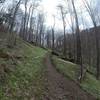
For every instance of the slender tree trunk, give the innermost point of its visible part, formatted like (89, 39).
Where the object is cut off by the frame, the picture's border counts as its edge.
(78, 40)
(11, 38)
(64, 29)
(53, 39)
(92, 15)
(25, 16)
(97, 52)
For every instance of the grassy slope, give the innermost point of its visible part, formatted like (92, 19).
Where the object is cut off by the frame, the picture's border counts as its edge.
(90, 84)
(23, 78)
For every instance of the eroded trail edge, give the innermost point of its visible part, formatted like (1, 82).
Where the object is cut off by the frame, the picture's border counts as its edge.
(59, 87)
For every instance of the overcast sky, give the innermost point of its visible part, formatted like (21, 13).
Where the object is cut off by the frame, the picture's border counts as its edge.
(50, 7)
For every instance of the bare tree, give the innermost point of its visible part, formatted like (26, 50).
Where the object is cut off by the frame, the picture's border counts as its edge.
(12, 39)
(31, 29)
(78, 40)
(53, 35)
(41, 28)
(25, 16)
(93, 18)
(48, 38)
(27, 22)
(64, 27)
(71, 26)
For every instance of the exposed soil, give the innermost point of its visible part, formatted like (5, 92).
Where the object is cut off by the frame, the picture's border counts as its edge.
(59, 87)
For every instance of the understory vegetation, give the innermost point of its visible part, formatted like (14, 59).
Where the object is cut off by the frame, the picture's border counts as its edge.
(30, 34)
(70, 70)
(21, 72)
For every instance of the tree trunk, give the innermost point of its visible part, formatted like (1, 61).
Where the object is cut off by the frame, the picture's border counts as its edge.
(78, 40)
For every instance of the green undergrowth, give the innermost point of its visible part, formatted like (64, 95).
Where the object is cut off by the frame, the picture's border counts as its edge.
(90, 84)
(22, 72)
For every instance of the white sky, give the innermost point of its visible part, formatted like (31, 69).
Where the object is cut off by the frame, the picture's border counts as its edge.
(50, 9)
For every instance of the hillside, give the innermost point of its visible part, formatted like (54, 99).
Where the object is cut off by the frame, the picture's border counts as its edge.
(49, 50)
(21, 71)
(27, 72)
(69, 70)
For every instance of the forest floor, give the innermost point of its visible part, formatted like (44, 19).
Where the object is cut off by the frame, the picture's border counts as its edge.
(70, 70)
(59, 87)
(21, 71)
(27, 73)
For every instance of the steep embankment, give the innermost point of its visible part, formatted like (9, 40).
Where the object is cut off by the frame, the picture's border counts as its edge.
(21, 71)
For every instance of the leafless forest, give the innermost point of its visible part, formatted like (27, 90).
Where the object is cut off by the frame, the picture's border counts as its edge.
(26, 19)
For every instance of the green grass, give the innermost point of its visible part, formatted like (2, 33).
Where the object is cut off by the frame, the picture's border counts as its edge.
(90, 84)
(25, 77)
(67, 68)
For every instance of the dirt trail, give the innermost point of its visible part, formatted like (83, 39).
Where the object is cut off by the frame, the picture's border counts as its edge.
(60, 88)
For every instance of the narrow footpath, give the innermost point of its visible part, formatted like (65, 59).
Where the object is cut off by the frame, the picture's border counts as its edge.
(59, 87)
